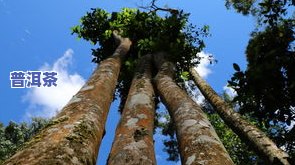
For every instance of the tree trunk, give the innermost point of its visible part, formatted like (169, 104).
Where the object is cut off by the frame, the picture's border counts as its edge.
(74, 135)
(248, 132)
(133, 144)
(197, 139)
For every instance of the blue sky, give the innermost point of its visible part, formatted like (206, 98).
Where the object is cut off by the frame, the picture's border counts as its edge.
(35, 35)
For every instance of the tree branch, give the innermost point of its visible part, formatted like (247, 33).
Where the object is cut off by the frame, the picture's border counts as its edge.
(154, 8)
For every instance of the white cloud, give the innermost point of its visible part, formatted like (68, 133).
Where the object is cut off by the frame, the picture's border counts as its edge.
(196, 93)
(163, 119)
(199, 97)
(230, 91)
(203, 67)
(46, 101)
(204, 71)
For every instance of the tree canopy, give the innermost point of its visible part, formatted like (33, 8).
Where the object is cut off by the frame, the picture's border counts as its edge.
(153, 30)
(150, 31)
(270, 74)
(265, 90)
(267, 11)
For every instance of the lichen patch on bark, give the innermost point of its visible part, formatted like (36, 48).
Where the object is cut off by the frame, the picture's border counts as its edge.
(86, 88)
(204, 139)
(136, 145)
(142, 116)
(133, 144)
(132, 122)
(190, 160)
(74, 99)
(255, 137)
(196, 136)
(138, 99)
(188, 123)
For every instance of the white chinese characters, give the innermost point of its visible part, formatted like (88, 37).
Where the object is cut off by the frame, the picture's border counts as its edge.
(21, 79)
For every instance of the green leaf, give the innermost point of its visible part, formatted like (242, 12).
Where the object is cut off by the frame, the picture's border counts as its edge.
(184, 75)
(236, 67)
(128, 63)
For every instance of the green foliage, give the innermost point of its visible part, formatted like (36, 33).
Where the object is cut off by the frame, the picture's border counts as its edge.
(237, 149)
(185, 75)
(236, 67)
(149, 33)
(269, 12)
(168, 129)
(242, 6)
(266, 89)
(270, 73)
(15, 135)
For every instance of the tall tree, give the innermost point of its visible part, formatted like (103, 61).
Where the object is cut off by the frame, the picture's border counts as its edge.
(270, 58)
(74, 135)
(198, 142)
(240, 152)
(149, 33)
(170, 34)
(266, 88)
(264, 146)
(133, 142)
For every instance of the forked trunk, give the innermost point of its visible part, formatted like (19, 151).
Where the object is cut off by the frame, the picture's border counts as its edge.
(197, 139)
(264, 146)
(133, 144)
(75, 134)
